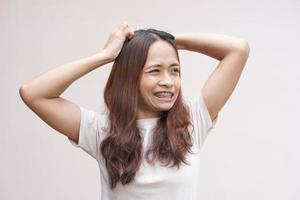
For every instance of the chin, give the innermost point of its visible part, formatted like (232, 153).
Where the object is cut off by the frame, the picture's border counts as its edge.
(165, 108)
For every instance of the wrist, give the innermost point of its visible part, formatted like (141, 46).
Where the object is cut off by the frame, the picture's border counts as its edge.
(103, 57)
(179, 41)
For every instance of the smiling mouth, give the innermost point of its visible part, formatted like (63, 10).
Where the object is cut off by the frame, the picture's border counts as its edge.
(165, 97)
(164, 94)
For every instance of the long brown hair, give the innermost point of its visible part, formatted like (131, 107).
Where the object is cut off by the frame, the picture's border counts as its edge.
(122, 148)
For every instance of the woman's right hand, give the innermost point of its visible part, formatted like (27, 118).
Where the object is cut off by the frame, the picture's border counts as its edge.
(116, 40)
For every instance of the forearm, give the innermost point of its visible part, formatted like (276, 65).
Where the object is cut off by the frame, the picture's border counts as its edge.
(54, 82)
(213, 45)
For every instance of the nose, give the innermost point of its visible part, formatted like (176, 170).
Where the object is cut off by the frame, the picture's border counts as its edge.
(166, 80)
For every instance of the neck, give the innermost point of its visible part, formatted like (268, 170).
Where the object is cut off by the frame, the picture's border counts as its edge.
(145, 114)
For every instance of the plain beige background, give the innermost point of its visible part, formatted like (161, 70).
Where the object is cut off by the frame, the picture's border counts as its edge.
(253, 153)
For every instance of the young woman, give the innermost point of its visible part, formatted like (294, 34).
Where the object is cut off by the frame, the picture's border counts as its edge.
(147, 143)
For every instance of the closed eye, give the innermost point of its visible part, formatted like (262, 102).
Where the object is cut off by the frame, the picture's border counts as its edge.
(176, 70)
(155, 70)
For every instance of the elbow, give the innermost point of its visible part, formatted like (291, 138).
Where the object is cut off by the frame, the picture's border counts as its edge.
(243, 46)
(23, 92)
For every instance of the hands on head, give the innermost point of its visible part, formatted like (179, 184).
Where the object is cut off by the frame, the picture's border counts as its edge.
(116, 40)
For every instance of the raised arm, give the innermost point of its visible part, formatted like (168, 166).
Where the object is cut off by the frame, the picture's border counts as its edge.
(232, 54)
(42, 93)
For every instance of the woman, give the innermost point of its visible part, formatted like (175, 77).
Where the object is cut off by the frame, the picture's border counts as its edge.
(147, 144)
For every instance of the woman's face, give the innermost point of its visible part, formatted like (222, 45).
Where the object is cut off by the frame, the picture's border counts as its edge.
(160, 80)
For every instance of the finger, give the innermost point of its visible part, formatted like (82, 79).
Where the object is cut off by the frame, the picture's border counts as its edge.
(123, 25)
(129, 33)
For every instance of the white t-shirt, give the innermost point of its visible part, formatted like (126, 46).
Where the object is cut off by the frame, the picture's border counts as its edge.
(150, 182)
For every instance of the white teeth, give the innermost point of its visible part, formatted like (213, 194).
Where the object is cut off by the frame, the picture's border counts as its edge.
(164, 94)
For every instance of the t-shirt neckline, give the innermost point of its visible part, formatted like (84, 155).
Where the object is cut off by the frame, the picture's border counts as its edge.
(147, 122)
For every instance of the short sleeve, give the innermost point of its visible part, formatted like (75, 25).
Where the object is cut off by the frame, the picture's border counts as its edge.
(89, 136)
(201, 121)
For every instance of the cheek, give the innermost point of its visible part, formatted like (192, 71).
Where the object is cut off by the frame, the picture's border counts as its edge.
(178, 83)
(145, 88)
(148, 84)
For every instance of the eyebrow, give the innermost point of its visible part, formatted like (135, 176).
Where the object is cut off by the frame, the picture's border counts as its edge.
(158, 65)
